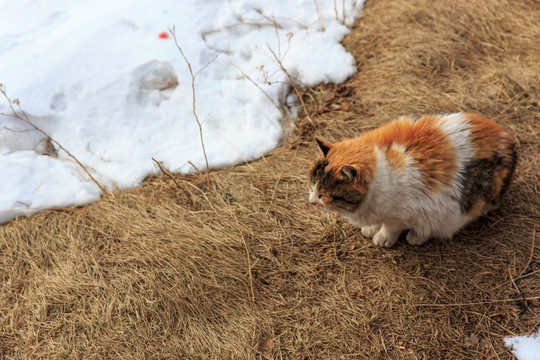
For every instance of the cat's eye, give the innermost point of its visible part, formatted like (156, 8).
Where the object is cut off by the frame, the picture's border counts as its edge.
(324, 199)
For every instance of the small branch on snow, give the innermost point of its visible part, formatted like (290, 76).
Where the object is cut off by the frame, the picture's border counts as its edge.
(193, 77)
(246, 76)
(321, 19)
(21, 115)
(292, 81)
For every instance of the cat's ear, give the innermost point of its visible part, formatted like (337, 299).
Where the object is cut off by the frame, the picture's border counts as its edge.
(349, 171)
(324, 145)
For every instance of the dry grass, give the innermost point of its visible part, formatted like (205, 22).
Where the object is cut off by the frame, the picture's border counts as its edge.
(248, 271)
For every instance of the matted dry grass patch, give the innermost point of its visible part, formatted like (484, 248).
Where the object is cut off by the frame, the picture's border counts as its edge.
(249, 271)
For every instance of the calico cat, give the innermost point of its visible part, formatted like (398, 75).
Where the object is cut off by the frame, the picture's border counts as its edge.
(430, 176)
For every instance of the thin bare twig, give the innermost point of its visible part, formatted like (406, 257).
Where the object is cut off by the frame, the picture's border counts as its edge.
(289, 35)
(530, 257)
(292, 81)
(228, 27)
(203, 195)
(193, 77)
(478, 302)
(174, 180)
(277, 36)
(321, 20)
(247, 256)
(260, 88)
(23, 117)
(514, 283)
(195, 167)
(274, 193)
(272, 18)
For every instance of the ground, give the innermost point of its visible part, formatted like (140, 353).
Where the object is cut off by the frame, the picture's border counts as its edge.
(243, 268)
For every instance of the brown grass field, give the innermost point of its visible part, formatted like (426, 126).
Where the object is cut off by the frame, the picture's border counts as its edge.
(244, 269)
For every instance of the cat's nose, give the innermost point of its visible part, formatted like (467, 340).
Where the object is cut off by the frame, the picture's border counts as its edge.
(313, 199)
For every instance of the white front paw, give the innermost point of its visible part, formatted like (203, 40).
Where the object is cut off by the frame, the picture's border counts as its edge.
(370, 231)
(415, 239)
(381, 239)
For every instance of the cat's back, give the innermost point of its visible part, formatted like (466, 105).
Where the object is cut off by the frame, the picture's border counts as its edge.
(464, 151)
(468, 135)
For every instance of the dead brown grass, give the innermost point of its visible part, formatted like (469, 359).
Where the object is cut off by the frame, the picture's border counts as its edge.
(248, 271)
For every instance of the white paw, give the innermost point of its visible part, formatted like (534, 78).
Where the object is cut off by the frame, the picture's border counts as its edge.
(415, 239)
(381, 239)
(370, 231)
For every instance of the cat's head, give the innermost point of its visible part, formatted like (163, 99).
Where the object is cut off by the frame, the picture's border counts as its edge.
(339, 181)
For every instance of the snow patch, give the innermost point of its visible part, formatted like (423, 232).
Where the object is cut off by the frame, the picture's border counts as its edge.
(525, 347)
(101, 79)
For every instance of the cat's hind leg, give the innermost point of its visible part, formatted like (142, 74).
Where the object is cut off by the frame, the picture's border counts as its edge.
(370, 231)
(414, 238)
(387, 235)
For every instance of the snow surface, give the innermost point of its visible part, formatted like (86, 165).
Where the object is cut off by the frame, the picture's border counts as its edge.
(97, 77)
(526, 347)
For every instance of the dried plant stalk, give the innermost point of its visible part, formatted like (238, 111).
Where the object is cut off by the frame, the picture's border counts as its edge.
(21, 115)
(193, 77)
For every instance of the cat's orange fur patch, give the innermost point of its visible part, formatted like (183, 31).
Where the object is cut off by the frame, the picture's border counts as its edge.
(479, 208)
(498, 181)
(487, 137)
(427, 145)
(395, 158)
(353, 152)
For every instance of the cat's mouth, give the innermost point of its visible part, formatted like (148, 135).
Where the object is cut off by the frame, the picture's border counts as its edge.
(321, 207)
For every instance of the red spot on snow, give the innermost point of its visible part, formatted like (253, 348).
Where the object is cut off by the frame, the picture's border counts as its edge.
(163, 35)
